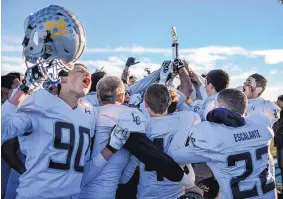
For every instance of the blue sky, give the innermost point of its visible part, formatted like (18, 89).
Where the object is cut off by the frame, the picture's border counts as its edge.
(241, 37)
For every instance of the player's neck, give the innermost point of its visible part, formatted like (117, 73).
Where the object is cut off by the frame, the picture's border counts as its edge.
(157, 114)
(212, 92)
(107, 103)
(71, 100)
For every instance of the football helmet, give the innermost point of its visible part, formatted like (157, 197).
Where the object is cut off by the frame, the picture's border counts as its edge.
(191, 195)
(54, 40)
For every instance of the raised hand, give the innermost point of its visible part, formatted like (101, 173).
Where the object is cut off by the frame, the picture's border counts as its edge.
(166, 71)
(131, 61)
(33, 79)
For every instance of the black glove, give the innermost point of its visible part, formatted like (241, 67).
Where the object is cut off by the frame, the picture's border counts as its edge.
(178, 64)
(131, 61)
(33, 79)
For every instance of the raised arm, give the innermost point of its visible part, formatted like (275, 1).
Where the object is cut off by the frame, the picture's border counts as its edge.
(186, 84)
(14, 123)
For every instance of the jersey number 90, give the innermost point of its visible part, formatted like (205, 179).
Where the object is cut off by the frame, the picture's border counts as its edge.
(69, 147)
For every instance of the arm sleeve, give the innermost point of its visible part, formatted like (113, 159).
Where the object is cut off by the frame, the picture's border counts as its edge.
(186, 155)
(146, 152)
(202, 92)
(129, 170)
(14, 124)
(93, 168)
(125, 77)
(144, 83)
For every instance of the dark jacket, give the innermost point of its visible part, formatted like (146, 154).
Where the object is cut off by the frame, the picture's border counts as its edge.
(278, 132)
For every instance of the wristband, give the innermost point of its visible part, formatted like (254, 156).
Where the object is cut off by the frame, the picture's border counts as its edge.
(113, 150)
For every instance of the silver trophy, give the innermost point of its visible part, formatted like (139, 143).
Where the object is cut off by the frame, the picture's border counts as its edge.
(175, 44)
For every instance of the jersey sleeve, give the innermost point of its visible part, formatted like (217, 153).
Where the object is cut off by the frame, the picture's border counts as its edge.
(199, 147)
(180, 138)
(92, 168)
(129, 170)
(143, 84)
(15, 123)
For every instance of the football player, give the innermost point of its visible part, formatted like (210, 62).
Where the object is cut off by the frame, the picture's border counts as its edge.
(161, 129)
(111, 94)
(216, 81)
(257, 106)
(54, 132)
(235, 148)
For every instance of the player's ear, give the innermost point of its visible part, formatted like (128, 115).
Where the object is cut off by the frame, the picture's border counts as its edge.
(145, 104)
(121, 98)
(211, 86)
(258, 90)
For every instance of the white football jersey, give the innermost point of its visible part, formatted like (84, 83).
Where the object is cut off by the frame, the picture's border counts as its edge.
(203, 107)
(260, 107)
(55, 140)
(238, 157)
(104, 185)
(161, 130)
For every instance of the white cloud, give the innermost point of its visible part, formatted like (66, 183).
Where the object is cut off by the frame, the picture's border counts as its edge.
(12, 59)
(230, 67)
(242, 76)
(115, 65)
(6, 68)
(200, 55)
(202, 58)
(273, 72)
(272, 92)
(274, 56)
(11, 48)
(12, 39)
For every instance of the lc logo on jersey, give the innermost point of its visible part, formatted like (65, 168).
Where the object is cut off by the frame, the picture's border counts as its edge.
(136, 119)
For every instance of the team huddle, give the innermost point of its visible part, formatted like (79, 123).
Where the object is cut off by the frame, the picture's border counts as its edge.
(97, 131)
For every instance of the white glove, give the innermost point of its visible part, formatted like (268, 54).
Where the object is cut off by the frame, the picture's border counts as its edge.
(118, 138)
(166, 71)
(33, 79)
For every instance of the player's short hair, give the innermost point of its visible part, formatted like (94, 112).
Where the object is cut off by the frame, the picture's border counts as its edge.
(280, 98)
(17, 74)
(219, 79)
(157, 97)
(260, 82)
(132, 77)
(95, 77)
(7, 81)
(233, 100)
(108, 89)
